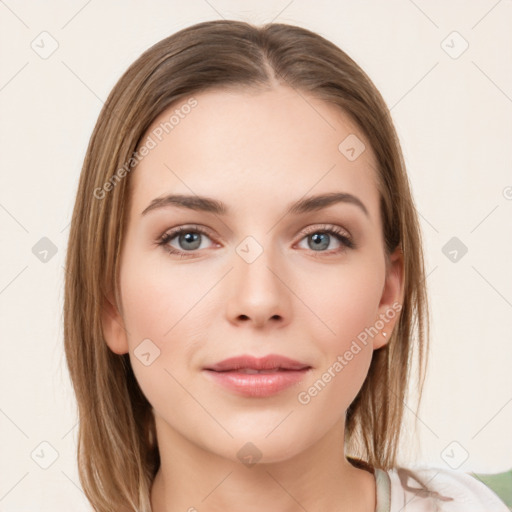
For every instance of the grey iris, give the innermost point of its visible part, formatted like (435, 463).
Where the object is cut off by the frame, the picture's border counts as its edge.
(318, 242)
(191, 238)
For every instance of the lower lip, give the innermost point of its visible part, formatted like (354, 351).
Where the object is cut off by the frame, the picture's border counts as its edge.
(257, 384)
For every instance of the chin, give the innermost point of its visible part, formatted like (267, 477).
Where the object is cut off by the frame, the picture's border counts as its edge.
(258, 447)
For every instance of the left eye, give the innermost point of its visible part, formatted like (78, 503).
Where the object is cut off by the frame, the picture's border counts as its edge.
(319, 240)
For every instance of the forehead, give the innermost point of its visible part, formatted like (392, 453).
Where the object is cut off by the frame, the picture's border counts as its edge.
(244, 146)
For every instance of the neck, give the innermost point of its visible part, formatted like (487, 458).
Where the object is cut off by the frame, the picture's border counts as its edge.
(316, 479)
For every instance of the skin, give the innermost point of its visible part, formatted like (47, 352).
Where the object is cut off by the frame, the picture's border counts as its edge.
(257, 152)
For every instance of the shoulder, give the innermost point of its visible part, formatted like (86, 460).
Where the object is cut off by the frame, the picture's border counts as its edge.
(425, 489)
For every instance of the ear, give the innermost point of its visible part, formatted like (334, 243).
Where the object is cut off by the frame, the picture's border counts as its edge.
(114, 330)
(392, 299)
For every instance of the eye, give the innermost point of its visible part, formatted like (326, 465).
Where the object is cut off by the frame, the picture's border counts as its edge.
(320, 238)
(188, 238)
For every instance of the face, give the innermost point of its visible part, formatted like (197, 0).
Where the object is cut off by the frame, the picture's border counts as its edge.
(249, 274)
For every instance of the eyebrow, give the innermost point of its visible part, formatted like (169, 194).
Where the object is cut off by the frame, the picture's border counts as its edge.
(210, 205)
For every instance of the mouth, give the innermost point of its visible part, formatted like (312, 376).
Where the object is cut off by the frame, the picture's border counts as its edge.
(257, 377)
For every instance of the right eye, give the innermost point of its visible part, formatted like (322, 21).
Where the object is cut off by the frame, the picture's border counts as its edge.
(188, 237)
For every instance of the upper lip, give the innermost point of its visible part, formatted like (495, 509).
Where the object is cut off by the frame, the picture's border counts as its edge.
(269, 362)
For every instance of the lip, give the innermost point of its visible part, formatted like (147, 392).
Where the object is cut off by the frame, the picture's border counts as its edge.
(269, 362)
(272, 374)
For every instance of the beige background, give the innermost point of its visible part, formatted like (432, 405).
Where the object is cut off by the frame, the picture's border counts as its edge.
(454, 116)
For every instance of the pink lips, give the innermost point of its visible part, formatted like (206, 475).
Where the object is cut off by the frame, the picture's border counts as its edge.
(257, 377)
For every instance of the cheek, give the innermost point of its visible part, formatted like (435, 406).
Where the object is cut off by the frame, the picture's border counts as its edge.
(162, 312)
(160, 309)
(345, 306)
(343, 302)
(160, 304)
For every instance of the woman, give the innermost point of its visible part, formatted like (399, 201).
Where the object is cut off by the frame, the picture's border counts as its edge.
(245, 289)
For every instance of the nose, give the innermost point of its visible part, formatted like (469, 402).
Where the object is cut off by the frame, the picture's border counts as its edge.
(258, 293)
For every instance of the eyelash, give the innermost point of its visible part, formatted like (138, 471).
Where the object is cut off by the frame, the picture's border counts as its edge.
(164, 240)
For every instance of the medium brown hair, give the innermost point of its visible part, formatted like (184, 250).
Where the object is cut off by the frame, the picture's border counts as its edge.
(117, 449)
